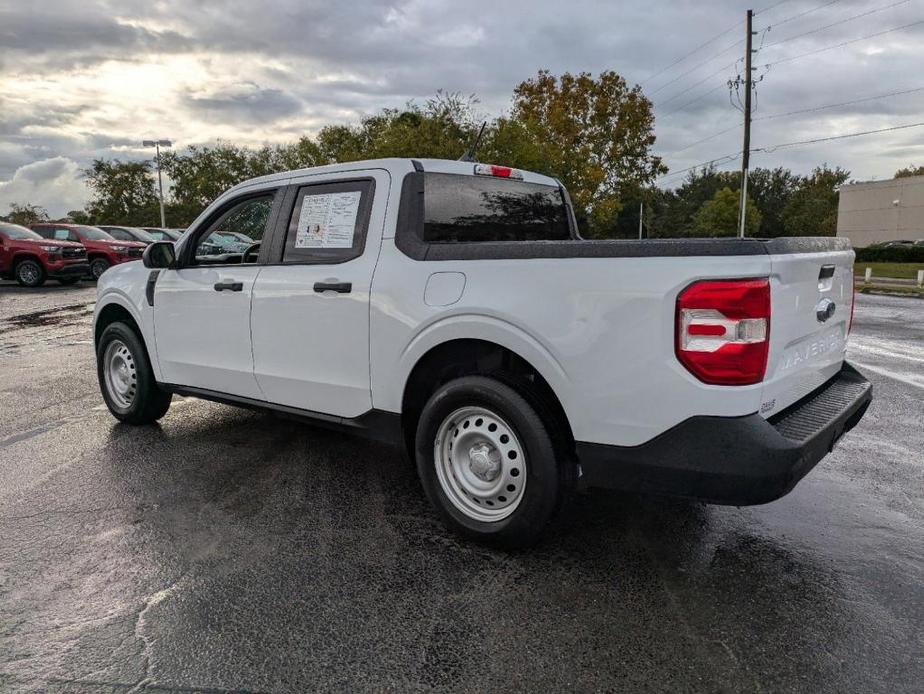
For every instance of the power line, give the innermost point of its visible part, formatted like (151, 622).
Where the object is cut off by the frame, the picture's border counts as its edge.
(687, 55)
(842, 103)
(693, 101)
(772, 148)
(719, 160)
(802, 14)
(843, 43)
(696, 84)
(767, 9)
(697, 66)
(706, 139)
(837, 23)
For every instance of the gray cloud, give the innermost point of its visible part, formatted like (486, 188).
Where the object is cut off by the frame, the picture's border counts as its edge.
(246, 103)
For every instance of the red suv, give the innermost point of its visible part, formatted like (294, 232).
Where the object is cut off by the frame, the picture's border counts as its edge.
(103, 251)
(30, 260)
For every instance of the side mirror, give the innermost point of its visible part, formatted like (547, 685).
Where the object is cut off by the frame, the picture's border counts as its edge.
(159, 255)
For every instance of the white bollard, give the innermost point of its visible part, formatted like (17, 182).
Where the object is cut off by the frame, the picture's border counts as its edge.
(921, 278)
(869, 275)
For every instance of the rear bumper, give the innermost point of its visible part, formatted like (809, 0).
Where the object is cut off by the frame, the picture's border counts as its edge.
(734, 460)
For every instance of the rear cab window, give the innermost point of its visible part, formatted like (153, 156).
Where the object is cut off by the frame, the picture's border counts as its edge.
(459, 208)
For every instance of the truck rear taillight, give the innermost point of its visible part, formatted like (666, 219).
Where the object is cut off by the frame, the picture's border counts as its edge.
(498, 171)
(723, 330)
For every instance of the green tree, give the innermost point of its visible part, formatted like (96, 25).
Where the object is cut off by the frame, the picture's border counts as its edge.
(910, 171)
(25, 214)
(771, 190)
(200, 173)
(720, 216)
(123, 192)
(595, 135)
(442, 128)
(812, 208)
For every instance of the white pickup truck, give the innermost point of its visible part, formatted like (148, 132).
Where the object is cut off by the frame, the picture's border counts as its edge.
(453, 308)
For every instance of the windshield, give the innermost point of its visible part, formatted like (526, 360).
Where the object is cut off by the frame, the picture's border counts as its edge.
(16, 232)
(93, 233)
(163, 234)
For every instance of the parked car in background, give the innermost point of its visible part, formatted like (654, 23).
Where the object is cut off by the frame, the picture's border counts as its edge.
(120, 233)
(222, 243)
(160, 234)
(452, 307)
(242, 238)
(103, 251)
(30, 259)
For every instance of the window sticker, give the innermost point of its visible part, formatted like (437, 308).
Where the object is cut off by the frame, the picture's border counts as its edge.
(328, 220)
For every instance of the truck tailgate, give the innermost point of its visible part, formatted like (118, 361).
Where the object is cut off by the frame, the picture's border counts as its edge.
(811, 301)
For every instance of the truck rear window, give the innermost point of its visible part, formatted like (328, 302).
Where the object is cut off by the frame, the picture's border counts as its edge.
(459, 208)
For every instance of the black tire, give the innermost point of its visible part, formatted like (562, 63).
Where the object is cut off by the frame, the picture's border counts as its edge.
(30, 273)
(68, 281)
(98, 266)
(148, 402)
(542, 491)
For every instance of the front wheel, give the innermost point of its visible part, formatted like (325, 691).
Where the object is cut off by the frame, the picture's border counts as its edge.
(487, 462)
(126, 379)
(98, 266)
(30, 273)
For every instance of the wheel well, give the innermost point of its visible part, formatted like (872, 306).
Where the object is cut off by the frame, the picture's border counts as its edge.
(113, 313)
(458, 358)
(26, 256)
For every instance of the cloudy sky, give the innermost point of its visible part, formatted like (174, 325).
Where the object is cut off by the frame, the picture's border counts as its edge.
(89, 79)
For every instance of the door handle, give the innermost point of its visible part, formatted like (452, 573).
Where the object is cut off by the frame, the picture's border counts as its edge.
(230, 286)
(339, 287)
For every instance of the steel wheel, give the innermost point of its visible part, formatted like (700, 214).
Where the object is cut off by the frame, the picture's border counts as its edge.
(480, 464)
(120, 374)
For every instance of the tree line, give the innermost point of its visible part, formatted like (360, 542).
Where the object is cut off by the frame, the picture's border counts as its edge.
(595, 134)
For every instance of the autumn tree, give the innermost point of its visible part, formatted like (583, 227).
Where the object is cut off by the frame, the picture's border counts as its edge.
(720, 216)
(812, 208)
(25, 214)
(595, 135)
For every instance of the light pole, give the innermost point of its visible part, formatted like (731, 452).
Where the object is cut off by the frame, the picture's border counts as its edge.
(157, 144)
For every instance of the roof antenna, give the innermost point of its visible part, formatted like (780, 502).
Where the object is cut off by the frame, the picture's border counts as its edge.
(470, 154)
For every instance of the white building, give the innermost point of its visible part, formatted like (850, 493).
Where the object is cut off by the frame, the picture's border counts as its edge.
(877, 211)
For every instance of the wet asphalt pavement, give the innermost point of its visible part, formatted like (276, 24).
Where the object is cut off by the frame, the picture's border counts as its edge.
(230, 550)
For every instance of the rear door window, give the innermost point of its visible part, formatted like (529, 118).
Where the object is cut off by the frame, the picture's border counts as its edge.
(460, 208)
(329, 222)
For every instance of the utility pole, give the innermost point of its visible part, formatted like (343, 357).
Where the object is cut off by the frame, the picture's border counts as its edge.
(746, 150)
(157, 144)
(641, 212)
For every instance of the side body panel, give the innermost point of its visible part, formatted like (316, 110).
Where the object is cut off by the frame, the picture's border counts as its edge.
(599, 330)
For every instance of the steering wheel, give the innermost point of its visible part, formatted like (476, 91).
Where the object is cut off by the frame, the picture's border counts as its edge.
(250, 255)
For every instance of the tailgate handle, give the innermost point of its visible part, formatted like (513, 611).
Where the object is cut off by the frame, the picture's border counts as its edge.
(826, 272)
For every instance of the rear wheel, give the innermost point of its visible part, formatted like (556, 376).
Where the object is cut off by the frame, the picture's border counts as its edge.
(30, 273)
(487, 462)
(126, 379)
(98, 266)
